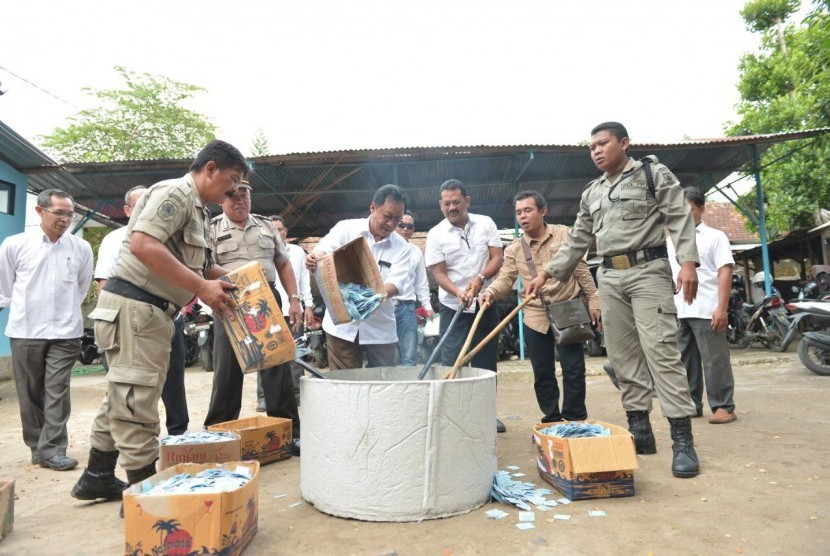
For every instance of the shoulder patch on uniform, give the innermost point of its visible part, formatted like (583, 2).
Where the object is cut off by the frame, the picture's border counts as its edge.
(668, 177)
(167, 210)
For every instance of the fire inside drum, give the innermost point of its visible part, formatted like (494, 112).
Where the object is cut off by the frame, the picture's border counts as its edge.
(379, 445)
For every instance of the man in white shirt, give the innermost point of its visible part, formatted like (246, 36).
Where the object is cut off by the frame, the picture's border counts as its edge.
(44, 276)
(173, 394)
(701, 339)
(376, 335)
(296, 256)
(464, 253)
(415, 287)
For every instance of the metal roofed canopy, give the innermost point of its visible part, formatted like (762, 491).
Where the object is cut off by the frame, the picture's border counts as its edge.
(313, 191)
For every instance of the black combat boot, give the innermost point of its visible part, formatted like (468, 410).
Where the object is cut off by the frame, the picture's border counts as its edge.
(99, 480)
(136, 476)
(640, 427)
(684, 464)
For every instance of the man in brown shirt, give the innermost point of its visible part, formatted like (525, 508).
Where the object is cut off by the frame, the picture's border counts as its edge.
(544, 241)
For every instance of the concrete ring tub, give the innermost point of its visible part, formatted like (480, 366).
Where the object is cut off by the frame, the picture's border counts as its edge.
(380, 445)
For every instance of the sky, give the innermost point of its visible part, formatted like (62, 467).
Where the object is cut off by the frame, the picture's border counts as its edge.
(320, 75)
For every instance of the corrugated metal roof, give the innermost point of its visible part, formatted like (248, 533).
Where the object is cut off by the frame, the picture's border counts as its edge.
(315, 190)
(21, 155)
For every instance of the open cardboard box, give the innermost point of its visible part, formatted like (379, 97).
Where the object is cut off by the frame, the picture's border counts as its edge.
(223, 522)
(585, 468)
(265, 439)
(207, 452)
(258, 333)
(351, 264)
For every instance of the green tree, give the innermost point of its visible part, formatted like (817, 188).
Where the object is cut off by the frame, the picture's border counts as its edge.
(144, 120)
(786, 87)
(259, 144)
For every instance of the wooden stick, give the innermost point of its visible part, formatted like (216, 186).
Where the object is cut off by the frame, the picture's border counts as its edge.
(467, 342)
(492, 334)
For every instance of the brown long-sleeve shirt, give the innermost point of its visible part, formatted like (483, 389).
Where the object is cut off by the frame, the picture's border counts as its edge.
(553, 291)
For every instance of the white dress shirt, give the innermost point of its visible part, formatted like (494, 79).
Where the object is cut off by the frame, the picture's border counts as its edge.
(714, 251)
(296, 255)
(416, 285)
(108, 253)
(464, 251)
(44, 283)
(393, 250)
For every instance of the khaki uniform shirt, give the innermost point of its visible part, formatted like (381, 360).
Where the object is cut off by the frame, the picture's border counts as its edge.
(624, 217)
(258, 241)
(171, 212)
(553, 291)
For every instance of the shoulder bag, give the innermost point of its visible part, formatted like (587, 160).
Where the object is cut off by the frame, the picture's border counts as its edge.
(569, 320)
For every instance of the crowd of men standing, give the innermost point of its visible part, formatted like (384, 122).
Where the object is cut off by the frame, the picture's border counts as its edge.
(172, 250)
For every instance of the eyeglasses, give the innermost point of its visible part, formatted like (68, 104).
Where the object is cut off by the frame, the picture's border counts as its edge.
(388, 218)
(60, 213)
(406, 226)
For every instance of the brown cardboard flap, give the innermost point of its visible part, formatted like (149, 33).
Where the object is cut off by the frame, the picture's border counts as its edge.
(598, 454)
(352, 263)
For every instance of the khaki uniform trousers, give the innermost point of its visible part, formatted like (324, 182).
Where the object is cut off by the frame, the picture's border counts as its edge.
(639, 320)
(136, 337)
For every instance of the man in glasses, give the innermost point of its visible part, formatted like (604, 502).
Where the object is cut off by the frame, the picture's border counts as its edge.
(240, 238)
(173, 394)
(165, 262)
(377, 335)
(464, 253)
(415, 286)
(625, 211)
(44, 276)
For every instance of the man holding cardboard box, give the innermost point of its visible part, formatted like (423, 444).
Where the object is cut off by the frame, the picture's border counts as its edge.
(377, 334)
(166, 262)
(240, 238)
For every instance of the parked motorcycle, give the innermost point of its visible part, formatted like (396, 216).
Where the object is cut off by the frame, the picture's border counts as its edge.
(807, 316)
(315, 341)
(766, 322)
(814, 352)
(818, 287)
(198, 336)
(89, 349)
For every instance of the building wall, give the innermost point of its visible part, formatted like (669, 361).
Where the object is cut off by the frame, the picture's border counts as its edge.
(10, 224)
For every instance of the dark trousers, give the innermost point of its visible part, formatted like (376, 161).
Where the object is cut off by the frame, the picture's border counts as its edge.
(542, 348)
(705, 354)
(226, 397)
(173, 395)
(42, 370)
(488, 357)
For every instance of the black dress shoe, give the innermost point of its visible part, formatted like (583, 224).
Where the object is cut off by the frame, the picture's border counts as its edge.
(59, 463)
(500, 426)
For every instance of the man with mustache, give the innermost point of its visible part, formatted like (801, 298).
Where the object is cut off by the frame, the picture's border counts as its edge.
(44, 276)
(377, 335)
(625, 211)
(543, 241)
(464, 252)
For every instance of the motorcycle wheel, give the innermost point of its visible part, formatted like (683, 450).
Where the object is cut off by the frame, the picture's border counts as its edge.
(594, 348)
(88, 354)
(776, 340)
(206, 357)
(191, 351)
(814, 358)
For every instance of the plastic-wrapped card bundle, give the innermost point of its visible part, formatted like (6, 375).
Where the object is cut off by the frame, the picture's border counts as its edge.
(208, 480)
(360, 301)
(575, 429)
(200, 447)
(200, 437)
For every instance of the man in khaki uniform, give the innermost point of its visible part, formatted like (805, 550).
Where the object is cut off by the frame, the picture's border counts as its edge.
(166, 262)
(625, 211)
(241, 237)
(543, 241)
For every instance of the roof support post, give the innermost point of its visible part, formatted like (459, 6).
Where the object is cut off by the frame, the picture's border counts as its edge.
(762, 221)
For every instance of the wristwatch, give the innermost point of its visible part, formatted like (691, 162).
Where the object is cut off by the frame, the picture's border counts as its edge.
(482, 278)
(294, 296)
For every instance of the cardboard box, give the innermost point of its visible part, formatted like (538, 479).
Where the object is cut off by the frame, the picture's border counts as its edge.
(6, 507)
(207, 452)
(257, 330)
(351, 264)
(223, 522)
(584, 468)
(264, 439)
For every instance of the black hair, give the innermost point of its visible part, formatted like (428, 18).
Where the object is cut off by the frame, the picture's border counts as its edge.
(223, 154)
(410, 214)
(535, 195)
(614, 128)
(389, 191)
(277, 218)
(695, 195)
(44, 198)
(455, 185)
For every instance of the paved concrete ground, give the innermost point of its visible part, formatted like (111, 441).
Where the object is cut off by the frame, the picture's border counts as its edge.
(764, 486)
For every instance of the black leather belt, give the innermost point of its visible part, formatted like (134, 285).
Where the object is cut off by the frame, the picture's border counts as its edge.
(404, 302)
(131, 291)
(627, 260)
